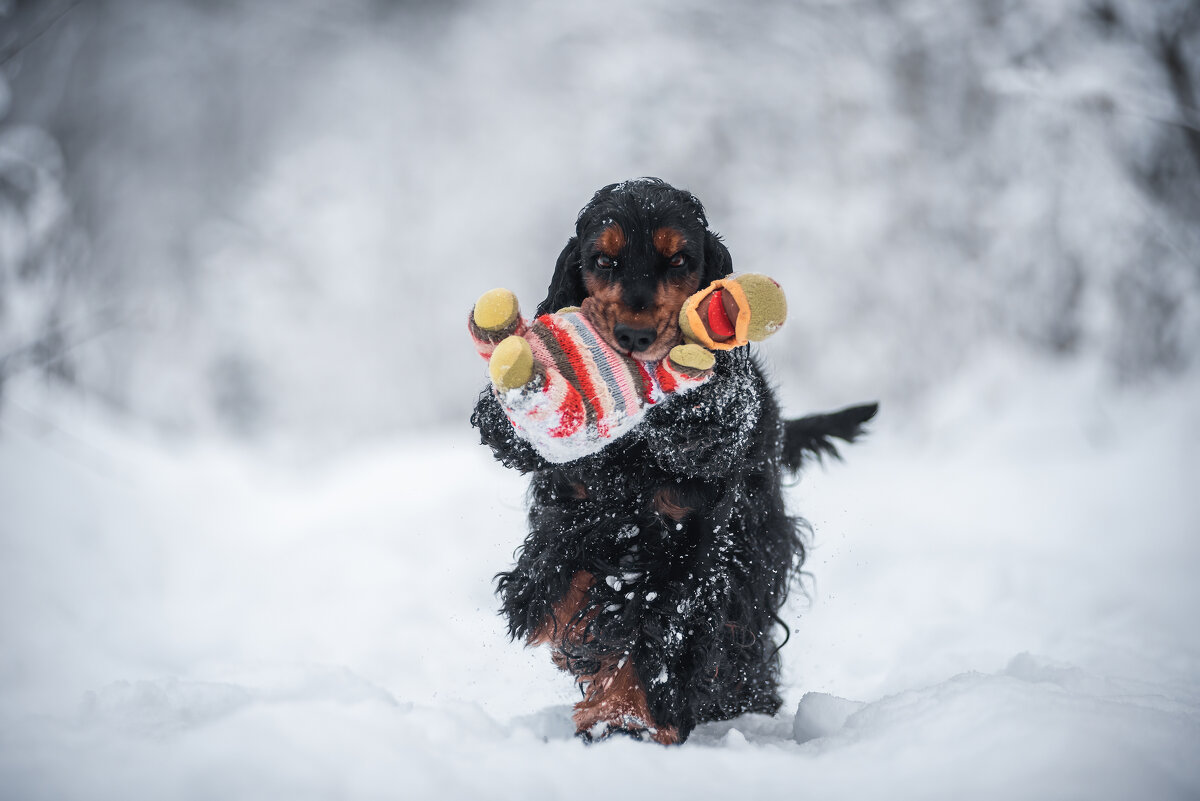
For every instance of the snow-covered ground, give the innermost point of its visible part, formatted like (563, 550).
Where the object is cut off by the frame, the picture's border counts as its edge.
(1002, 607)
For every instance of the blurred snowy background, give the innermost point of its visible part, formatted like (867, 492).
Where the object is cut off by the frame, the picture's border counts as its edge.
(262, 219)
(237, 244)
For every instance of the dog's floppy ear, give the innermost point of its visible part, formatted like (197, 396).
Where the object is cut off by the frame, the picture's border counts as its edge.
(566, 287)
(717, 261)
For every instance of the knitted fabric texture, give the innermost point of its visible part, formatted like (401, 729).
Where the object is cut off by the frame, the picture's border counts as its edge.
(486, 340)
(584, 394)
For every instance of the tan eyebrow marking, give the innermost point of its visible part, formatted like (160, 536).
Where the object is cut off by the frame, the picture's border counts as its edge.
(611, 240)
(669, 241)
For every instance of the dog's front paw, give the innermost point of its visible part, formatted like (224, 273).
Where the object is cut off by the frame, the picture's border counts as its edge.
(615, 702)
(628, 726)
(603, 730)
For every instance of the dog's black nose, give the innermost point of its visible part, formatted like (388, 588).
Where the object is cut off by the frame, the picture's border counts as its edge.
(634, 339)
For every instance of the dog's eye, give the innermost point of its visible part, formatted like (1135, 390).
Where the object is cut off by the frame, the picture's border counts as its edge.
(605, 263)
(678, 260)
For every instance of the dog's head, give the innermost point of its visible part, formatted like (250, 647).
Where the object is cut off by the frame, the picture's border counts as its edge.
(640, 249)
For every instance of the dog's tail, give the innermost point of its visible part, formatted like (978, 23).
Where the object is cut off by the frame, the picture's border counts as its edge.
(813, 435)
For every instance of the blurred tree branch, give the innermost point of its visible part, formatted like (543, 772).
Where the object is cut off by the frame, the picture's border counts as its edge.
(51, 347)
(1179, 72)
(14, 50)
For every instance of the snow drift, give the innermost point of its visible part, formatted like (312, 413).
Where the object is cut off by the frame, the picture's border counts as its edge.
(1005, 610)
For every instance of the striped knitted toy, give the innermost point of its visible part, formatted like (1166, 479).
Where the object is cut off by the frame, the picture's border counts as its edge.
(568, 393)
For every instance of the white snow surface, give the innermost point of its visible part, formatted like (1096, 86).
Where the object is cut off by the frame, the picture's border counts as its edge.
(1002, 606)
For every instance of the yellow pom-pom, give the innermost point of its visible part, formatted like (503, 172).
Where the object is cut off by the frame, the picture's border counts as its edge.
(768, 305)
(496, 309)
(511, 365)
(693, 357)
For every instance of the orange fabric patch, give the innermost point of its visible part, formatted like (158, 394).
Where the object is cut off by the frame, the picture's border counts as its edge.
(611, 240)
(669, 241)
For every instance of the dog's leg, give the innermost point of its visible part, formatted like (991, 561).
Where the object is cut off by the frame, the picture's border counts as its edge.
(564, 622)
(614, 699)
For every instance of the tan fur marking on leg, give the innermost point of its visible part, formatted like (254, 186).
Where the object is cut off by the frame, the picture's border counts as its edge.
(666, 503)
(558, 624)
(616, 697)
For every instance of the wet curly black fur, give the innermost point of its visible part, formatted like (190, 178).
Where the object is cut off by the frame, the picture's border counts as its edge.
(693, 602)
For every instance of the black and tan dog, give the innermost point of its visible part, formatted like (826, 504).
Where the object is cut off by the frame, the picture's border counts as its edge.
(656, 568)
